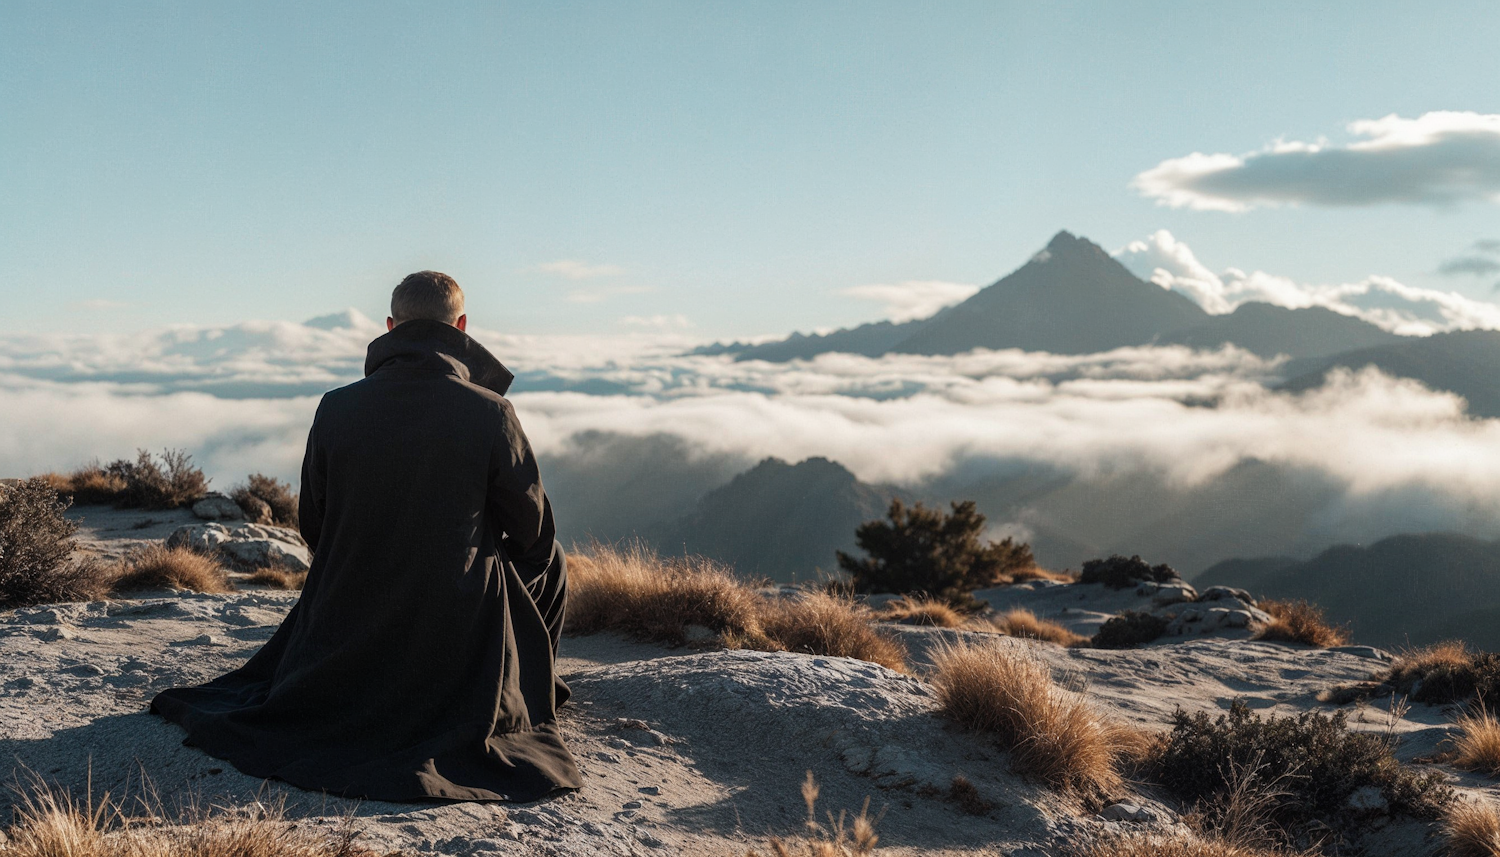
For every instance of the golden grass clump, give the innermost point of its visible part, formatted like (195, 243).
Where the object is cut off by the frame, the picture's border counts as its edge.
(158, 566)
(50, 824)
(842, 836)
(1036, 572)
(912, 610)
(90, 484)
(278, 577)
(1472, 829)
(1300, 622)
(1052, 734)
(1024, 623)
(1140, 844)
(635, 591)
(1477, 745)
(822, 624)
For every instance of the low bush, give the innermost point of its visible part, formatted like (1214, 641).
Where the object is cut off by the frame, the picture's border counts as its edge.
(278, 577)
(148, 484)
(1319, 763)
(1300, 622)
(1477, 745)
(1184, 844)
(277, 497)
(89, 485)
(36, 545)
(1471, 828)
(921, 551)
(637, 592)
(1117, 572)
(161, 567)
(1128, 630)
(1444, 672)
(1024, 623)
(921, 611)
(1053, 735)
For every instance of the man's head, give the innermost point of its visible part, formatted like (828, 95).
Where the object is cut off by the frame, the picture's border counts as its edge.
(428, 294)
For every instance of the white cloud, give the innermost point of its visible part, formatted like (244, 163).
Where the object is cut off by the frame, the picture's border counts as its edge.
(594, 296)
(911, 299)
(1439, 158)
(676, 321)
(1170, 263)
(574, 269)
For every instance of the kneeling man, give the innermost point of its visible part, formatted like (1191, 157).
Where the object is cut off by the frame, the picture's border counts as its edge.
(418, 662)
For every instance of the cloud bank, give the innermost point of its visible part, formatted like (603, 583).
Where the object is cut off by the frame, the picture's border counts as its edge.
(1381, 454)
(1382, 301)
(1440, 158)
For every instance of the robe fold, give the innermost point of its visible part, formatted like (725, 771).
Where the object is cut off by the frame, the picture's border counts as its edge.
(419, 661)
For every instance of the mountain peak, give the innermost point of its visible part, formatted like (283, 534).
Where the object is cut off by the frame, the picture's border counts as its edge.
(1063, 240)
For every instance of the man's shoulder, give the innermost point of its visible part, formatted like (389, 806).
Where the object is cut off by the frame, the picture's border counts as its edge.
(367, 391)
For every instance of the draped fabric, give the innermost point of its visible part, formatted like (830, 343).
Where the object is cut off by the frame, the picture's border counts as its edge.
(418, 662)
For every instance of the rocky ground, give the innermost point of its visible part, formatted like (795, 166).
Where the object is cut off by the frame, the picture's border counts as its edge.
(684, 751)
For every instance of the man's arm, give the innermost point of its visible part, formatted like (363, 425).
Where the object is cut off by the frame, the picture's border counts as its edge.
(313, 490)
(518, 505)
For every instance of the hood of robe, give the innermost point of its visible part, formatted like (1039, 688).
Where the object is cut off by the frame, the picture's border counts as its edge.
(427, 344)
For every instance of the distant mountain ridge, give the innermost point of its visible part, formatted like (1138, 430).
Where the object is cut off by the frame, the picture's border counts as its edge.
(777, 520)
(1072, 297)
(1465, 362)
(1402, 590)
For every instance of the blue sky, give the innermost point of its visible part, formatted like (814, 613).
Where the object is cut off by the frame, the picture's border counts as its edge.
(734, 164)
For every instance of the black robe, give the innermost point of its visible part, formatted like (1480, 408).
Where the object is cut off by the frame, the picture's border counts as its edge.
(418, 662)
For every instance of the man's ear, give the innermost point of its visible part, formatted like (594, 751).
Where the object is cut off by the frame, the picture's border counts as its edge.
(462, 323)
(390, 323)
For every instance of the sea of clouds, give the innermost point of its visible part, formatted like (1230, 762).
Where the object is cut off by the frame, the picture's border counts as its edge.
(1151, 427)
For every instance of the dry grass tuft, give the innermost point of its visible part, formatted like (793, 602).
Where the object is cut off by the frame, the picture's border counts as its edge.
(158, 566)
(50, 824)
(1052, 734)
(1472, 829)
(843, 836)
(1300, 622)
(278, 577)
(1477, 745)
(1024, 623)
(89, 485)
(1445, 672)
(967, 798)
(822, 624)
(269, 496)
(921, 611)
(1139, 844)
(633, 590)
(1036, 572)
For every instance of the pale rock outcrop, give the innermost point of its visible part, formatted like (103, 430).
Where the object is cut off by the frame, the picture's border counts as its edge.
(218, 507)
(248, 546)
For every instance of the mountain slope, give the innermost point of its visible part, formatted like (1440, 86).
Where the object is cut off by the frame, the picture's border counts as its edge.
(1071, 298)
(778, 520)
(1465, 362)
(1269, 330)
(1404, 590)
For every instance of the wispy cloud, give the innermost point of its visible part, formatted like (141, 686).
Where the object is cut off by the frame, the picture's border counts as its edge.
(1382, 301)
(573, 269)
(676, 321)
(911, 299)
(601, 294)
(1482, 260)
(1439, 158)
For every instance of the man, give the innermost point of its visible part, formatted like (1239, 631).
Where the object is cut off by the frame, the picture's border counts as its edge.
(418, 662)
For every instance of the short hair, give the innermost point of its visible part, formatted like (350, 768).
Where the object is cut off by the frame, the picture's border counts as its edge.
(427, 294)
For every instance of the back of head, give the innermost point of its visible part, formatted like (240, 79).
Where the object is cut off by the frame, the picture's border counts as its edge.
(427, 294)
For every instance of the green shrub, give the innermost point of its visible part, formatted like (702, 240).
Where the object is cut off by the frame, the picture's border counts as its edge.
(1117, 572)
(173, 483)
(1128, 630)
(1317, 762)
(921, 551)
(275, 494)
(35, 544)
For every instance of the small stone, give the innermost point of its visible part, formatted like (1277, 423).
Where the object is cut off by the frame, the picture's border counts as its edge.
(631, 804)
(1220, 593)
(1127, 812)
(57, 632)
(649, 790)
(201, 640)
(22, 683)
(650, 841)
(84, 670)
(1368, 799)
(610, 758)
